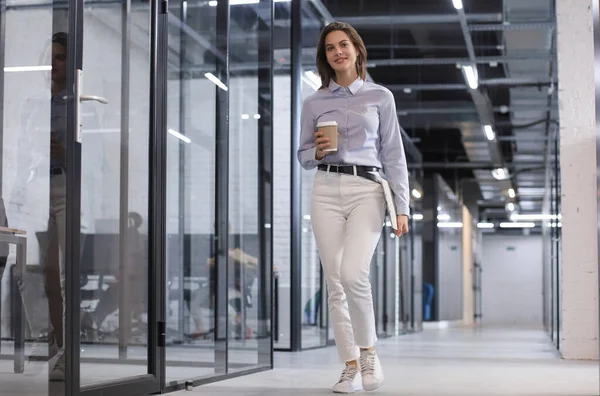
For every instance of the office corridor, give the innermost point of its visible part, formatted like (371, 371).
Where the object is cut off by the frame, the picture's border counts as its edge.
(456, 361)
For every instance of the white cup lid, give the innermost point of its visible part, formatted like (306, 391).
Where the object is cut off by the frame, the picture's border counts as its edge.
(326, 123)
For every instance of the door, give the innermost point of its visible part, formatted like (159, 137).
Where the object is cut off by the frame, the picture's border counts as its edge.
(115, 188)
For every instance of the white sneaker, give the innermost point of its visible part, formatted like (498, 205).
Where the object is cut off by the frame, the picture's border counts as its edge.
(58, 369)
(370, 370)
(349, 380)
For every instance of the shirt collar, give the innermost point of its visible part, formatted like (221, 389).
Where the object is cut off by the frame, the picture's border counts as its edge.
(354, 87)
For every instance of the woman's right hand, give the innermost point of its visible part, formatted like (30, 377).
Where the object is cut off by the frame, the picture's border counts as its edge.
(321, 143)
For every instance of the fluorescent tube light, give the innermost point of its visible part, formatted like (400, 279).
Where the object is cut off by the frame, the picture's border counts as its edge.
(417, 216)
(416, 193)
(15, 69)
(313, 79)
(213, 3)
(443, 217)
(257, 116)
(485, 225)
(245, 116)
(489, 132)
(457, 4)
(471, 76)
(516, 225)
(511, 193)
(510, 206)
(215, 81)
(535, 217)
(450, 225)
(179, 136)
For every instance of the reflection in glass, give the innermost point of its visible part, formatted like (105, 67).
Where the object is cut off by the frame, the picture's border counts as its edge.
(191, 273)
(314, 295)
(33, 42)
(114, 196)
(249, 107)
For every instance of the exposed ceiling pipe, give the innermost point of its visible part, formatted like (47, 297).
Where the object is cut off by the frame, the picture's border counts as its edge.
(472, 110)
(488, 27)
(522, 82)
(543, 56)
(473, 165)
(378, 20)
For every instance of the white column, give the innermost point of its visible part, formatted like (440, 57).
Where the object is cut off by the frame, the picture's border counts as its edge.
(579, 299)
(467, 259)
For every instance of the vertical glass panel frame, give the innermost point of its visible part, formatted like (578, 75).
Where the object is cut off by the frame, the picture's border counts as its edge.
(191, 280)
(250, 136)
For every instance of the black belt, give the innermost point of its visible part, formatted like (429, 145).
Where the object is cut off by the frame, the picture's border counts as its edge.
(56, 171)
(362, 171)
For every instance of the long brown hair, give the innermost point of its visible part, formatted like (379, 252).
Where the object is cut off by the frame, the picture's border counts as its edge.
(325, 70)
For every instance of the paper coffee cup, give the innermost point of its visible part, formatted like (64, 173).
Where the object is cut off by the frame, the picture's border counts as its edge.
(330, 130)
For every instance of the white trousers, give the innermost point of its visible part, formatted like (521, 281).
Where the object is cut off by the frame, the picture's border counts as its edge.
(347, 215)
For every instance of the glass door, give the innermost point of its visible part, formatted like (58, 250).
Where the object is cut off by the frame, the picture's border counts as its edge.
(33, 184)
(116, 212)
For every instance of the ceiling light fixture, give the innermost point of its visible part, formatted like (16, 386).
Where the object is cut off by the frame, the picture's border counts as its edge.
(485, 225)
(516, 225)
(489, 132)
(313, 79)
(215, 81)
(510, 206)
(471, 76)
(417, 216)
(457, 4)
(179, 136)
(450, 225)
(13, 69)
(535, 217)
(416, 193)
(511, 193)
(500, 174)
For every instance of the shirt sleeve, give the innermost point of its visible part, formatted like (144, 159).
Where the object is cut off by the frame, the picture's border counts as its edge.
(307, 148)
(393, 157)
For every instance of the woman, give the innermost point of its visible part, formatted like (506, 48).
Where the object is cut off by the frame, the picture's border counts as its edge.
(348, 204)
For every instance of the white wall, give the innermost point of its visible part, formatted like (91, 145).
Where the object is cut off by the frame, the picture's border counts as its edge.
(511, 281)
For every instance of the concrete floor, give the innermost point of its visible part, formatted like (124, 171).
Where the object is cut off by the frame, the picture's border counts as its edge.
(450, 362)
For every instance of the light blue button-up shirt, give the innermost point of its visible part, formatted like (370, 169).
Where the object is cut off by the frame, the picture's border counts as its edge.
(369, 133)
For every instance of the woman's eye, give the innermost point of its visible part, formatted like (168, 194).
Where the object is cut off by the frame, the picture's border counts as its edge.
(345, 45)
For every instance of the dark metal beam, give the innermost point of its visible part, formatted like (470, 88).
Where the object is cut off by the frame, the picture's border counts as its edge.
(544, 56)
(424, 19)
(512, 26)
(472, 165)
(536, 82)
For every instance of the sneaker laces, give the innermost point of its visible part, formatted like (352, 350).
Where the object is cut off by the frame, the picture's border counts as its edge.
(348, 374)
(367, 365)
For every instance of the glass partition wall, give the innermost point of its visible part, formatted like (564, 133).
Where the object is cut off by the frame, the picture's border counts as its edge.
(136, 206)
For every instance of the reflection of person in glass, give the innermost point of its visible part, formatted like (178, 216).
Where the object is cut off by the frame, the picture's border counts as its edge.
(203, 298)
(348, 203)
(53, 256)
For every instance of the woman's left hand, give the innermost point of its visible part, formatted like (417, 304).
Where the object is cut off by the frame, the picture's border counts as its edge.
(402, 225)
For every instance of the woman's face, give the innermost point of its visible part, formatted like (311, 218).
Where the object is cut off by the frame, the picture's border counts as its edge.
(341, 53)
(59, 63)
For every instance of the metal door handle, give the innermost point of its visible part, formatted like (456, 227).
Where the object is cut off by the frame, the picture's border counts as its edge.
(85, 98)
